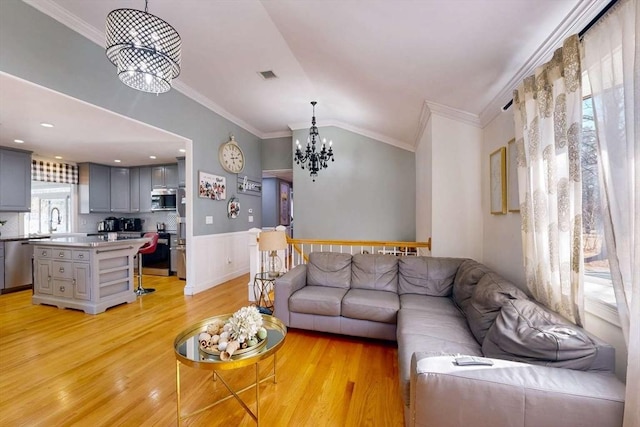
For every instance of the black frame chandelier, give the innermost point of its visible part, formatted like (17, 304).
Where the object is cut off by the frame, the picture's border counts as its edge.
(314, 160)
(145, 49)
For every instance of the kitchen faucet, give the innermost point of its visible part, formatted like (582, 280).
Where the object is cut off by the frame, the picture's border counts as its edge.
(51, 229)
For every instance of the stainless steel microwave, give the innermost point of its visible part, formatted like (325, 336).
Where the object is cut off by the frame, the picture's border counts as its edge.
(163, 200)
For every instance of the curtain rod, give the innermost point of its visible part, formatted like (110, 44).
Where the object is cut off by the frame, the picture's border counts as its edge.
(580, 35)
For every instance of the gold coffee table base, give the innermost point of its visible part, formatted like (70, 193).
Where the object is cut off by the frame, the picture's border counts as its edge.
(187, 353)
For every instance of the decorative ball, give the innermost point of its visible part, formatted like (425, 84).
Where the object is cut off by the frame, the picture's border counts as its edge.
(262, 333)
(252, 342)
(222, 346)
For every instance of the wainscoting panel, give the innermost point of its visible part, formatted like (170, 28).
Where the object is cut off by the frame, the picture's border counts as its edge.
(215, 258)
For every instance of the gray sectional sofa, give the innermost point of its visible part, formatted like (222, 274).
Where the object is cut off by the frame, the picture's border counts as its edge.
(546, 371)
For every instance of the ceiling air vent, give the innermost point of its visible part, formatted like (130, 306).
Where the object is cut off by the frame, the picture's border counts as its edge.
(268, 75)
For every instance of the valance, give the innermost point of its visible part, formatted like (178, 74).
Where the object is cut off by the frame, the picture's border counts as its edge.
(54, 172)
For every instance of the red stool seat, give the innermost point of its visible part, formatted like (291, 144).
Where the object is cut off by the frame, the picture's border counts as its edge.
(147, 248)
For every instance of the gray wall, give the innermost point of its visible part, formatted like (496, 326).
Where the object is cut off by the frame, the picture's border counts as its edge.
(269, 205)
(39, 49)
(367, 193)
(277, 154)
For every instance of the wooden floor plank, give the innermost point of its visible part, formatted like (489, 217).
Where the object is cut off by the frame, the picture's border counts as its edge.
(65, 367)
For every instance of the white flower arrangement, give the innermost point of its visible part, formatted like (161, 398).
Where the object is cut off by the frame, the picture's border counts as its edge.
(244, 324)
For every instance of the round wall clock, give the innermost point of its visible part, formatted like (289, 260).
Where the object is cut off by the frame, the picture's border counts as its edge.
(233, 208)
(231, 156)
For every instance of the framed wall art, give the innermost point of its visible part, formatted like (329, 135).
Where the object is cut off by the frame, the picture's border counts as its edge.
(233, 208)
(285, 209)
(498, 181)
(513, 198)
(211, 186)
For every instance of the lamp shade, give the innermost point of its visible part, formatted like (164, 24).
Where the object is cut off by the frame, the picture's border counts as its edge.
(272, 241)
(145, 49)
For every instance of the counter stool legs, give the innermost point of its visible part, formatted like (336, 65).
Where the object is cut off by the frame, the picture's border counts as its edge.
(140, 290)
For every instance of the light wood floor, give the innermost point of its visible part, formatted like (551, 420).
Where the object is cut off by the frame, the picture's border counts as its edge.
(64, 367)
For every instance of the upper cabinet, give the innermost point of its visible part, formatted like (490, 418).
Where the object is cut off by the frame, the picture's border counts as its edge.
(120, 190)
(134, 189)
(182, 182)
(145, 189)
(164, 176)
(15, 180)
(94, 188)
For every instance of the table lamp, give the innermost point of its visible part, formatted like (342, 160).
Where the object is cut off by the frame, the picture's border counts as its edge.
(272, 242)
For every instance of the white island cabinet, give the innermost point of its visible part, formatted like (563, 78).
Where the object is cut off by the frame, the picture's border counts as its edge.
(85, 273)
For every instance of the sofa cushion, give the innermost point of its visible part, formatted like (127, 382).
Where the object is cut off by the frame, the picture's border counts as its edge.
(437, 326)
(427, 275)
(378, 272)
(525, 331)
(467, 277)
(489, 295)
(322, 300)
(329, 269)
(367, 304)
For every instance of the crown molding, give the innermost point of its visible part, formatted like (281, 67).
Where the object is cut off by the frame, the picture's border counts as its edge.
(279, 134)
(451, 113)
(425, 115)
(364, 132)
(583, 13)
(61, 15)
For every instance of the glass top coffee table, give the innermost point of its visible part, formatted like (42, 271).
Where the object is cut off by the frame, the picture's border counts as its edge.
(187, 351)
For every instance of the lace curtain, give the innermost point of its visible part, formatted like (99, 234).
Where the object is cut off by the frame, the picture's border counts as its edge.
(548, 116)
(612, 61)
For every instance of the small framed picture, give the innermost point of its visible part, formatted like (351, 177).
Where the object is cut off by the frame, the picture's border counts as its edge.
(211, 186)
(498, 181)
(513, 198)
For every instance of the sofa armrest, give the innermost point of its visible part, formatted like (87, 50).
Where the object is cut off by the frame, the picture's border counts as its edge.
(510, 394)
(285, 286)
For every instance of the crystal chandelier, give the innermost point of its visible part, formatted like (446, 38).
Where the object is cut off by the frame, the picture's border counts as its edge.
(313, 160)
(145, 49)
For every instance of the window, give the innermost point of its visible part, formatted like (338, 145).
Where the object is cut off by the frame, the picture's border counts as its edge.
(50, 208)
(597, 275)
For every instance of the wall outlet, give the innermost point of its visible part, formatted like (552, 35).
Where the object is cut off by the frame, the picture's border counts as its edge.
(228, 260)
(250, 218)
(208, 219)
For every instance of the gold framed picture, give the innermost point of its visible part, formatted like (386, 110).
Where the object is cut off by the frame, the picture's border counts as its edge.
(498, 181)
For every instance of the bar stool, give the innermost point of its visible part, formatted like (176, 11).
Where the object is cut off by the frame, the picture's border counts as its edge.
(147, 248)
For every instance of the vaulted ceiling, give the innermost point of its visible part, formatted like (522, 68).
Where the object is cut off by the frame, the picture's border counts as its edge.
(373, 66)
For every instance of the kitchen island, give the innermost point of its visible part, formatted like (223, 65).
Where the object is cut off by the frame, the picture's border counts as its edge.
(88, 273)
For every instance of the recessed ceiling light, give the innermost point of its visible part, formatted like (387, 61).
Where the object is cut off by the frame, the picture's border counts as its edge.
(152, 157)
(117, 161)
(46, 125)
(58, 157)
(182, 150)
(18, 141)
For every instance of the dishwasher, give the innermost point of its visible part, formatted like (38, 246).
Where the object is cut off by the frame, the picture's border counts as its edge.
(17, 265)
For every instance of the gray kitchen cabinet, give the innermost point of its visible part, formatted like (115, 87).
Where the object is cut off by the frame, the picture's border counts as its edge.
(82, 280)
(1, 265)
(94, 188)
(15, 180)
(134, 189)
(120, 190)
(164, 176)
(43, 276)
(173, 248)
(182, 182)
(145, 189)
